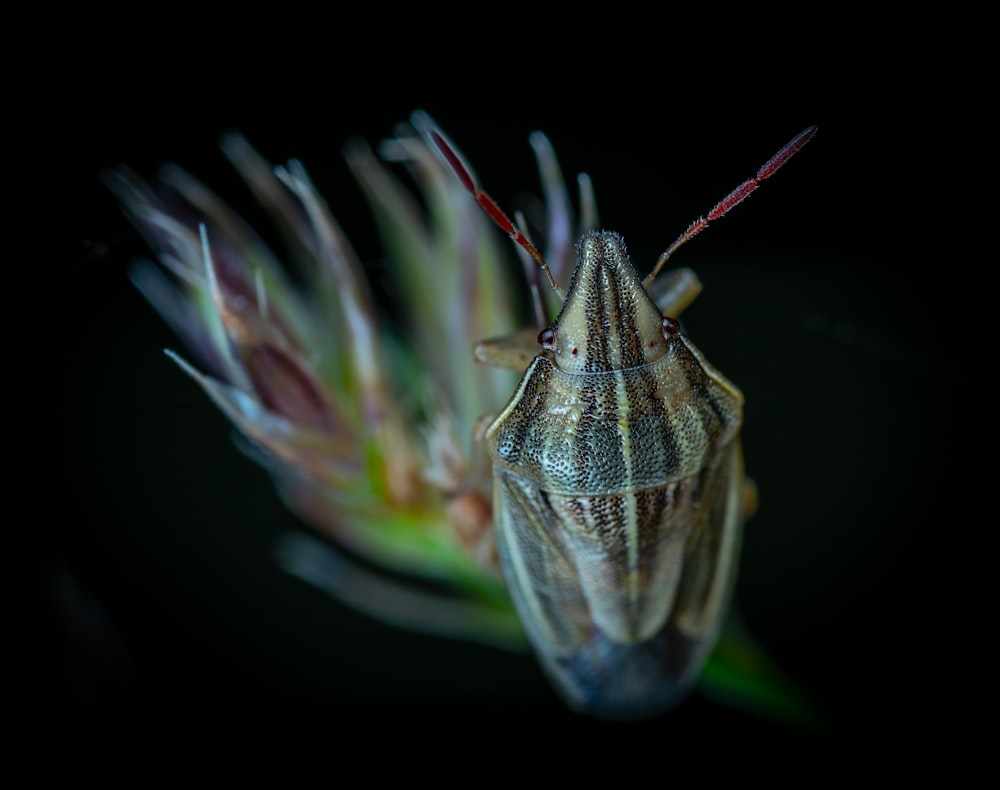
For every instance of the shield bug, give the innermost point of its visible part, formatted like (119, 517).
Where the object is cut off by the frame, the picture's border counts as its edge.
(618, 485)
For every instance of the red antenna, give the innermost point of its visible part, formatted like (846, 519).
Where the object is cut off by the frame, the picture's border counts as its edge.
(723, 207)
(734, 198)
(489, 205)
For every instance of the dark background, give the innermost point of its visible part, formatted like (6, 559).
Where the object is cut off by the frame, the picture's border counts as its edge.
(154, 595)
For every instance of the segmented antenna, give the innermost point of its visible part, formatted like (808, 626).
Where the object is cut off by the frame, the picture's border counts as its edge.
(734, 198)
(723, 207)
(490, 207)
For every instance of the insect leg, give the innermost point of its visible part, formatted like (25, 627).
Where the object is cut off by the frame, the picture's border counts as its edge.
(674, 291)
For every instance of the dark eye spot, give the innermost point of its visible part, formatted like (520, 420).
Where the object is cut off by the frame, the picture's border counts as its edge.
(575, 351)
(670, 327)
(547, 339)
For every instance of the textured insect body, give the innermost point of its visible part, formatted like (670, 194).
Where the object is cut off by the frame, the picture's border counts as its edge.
(616, 493)
(618, 487)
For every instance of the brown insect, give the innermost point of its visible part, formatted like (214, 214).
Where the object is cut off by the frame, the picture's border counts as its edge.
(618, 484)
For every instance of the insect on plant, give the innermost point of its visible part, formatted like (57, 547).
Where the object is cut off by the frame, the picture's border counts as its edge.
(618, 487)
(617, 493)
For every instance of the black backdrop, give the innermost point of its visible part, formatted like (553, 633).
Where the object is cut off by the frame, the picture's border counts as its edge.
(154, 596)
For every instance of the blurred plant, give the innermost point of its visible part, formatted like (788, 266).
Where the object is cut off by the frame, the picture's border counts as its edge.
(366, 424)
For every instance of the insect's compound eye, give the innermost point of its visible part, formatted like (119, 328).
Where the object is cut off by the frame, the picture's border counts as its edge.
(670, 326)
(547, 339)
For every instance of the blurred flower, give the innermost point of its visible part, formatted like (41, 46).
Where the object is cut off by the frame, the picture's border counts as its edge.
(366, 423)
